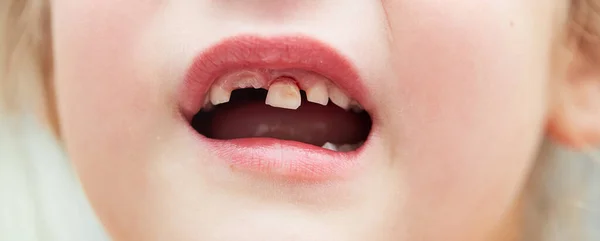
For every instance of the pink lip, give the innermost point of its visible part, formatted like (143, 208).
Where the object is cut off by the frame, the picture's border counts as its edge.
(271, 157)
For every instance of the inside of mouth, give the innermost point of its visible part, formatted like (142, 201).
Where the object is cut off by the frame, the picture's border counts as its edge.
(247, 116)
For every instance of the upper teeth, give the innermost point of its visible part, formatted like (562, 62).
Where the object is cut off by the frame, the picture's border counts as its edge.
(283, 92)
(317, 93)
(218, 95)
(339, 98)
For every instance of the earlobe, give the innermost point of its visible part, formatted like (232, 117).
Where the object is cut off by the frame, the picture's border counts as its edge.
(574, 117)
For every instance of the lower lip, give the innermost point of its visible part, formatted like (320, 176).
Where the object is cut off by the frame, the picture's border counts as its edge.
(289, 160)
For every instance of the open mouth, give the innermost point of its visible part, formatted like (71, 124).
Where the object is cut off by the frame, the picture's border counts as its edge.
(294, 105)
(284, 106)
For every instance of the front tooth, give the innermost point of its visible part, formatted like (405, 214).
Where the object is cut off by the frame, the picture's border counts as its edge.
(338, 97)
(284, 94)
(219, 96)
(318, 93)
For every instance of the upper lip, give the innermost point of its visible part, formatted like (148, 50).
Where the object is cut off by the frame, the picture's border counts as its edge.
(283, 52)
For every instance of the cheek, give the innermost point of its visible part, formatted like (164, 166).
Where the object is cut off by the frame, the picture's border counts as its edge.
(102, 93)
(94, 43)
(468, 102)
(95, 72)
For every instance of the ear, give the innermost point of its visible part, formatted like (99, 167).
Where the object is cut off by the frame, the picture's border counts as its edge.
(574, 117)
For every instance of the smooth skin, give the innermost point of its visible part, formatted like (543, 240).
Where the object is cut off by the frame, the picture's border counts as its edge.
(466, 92)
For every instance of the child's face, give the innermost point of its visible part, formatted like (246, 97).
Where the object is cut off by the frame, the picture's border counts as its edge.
(457, 91)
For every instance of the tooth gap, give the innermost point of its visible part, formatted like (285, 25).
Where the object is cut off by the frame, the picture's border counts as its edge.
(248, 94)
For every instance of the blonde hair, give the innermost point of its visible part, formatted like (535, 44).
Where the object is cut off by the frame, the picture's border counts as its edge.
(26, 59)
(553, 192)
(40, 196)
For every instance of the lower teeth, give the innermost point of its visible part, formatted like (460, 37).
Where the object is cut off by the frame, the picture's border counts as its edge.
(341, 148)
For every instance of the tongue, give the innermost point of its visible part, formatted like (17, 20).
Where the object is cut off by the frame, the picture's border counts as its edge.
(311, 123)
